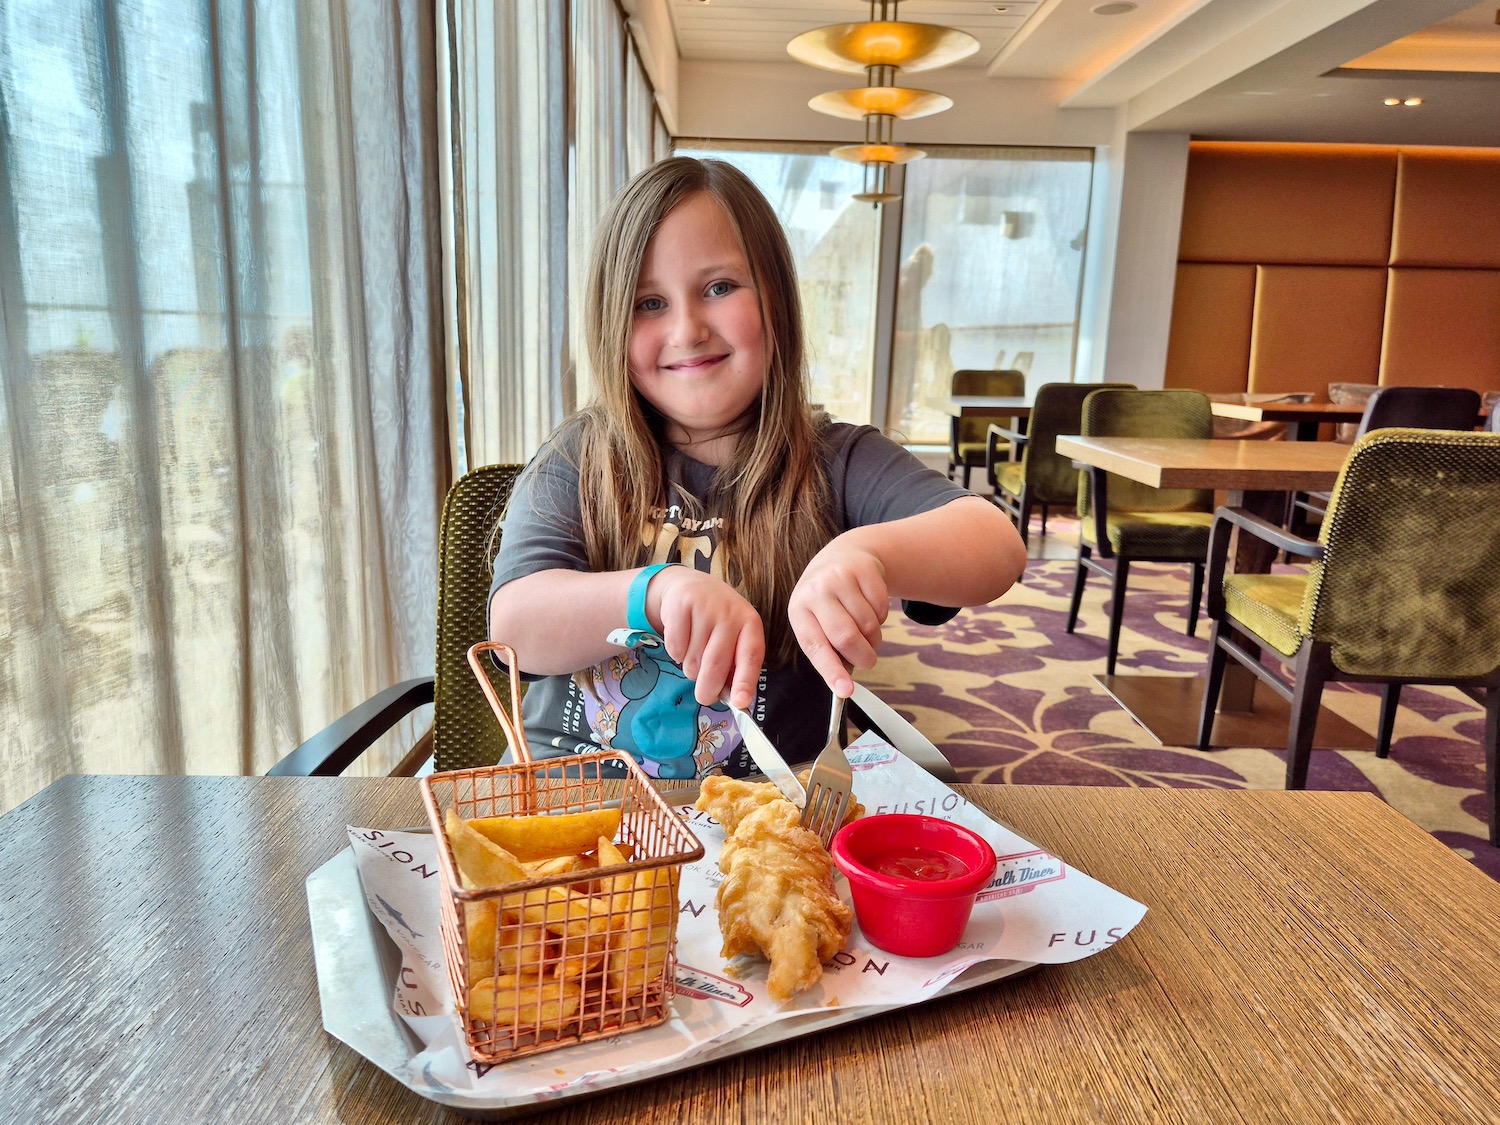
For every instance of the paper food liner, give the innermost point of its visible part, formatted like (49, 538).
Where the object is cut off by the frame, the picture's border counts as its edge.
(1036, 910)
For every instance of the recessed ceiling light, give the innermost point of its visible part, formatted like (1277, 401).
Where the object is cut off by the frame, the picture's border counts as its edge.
(1412, 101)
(1392, 101)
(1116, 9)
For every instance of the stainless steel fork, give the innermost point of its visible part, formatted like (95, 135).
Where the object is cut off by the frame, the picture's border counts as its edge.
(830, 783)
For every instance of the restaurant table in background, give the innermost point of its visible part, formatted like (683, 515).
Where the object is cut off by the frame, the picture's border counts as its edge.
(963, 406)
(1257, 475)
(1303, 417)
(1308, 956)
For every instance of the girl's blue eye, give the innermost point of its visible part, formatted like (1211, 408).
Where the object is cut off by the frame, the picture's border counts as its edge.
(721, 288)
(650, 304)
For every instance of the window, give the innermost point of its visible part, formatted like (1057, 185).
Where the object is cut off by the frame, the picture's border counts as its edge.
(836, 244)
(988, 272)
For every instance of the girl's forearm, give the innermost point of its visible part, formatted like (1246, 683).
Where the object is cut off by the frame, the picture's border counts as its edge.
(557, 620)
(965, 553)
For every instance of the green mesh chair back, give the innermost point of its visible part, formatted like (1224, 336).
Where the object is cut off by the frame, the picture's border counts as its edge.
(465, 732)
(966, 436)
(1146, 414)
(1058, 409)
(1407, 585)
(1142, 524)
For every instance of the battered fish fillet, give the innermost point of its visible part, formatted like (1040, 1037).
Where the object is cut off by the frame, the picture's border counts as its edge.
(777, 899)
(729, 800)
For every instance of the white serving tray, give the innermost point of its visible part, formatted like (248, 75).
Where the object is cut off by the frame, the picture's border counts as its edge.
(357, 965)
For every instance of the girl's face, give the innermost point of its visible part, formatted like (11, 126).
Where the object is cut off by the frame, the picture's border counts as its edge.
(697, 343)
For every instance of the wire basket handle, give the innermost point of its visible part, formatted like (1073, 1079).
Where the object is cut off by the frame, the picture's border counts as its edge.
(515, 733)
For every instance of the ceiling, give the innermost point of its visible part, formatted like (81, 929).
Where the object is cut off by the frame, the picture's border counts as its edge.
(1287, 70)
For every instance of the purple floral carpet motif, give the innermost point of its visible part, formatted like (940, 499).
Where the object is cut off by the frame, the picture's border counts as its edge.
(1010, 698)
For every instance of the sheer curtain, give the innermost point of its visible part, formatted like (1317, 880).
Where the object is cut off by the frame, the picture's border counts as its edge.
(508, 119)
(221, 387)
(550, 112)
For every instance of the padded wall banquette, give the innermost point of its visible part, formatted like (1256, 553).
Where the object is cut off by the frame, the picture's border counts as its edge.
(1305, 265)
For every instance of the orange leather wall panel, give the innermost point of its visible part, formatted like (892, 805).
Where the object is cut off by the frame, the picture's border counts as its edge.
(1442, 327)
(1209, 348)
(1283, 281)
(1315, 325)
(1288, 203)
(1447, 210)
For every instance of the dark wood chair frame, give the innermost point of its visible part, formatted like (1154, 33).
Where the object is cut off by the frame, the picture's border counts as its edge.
(1312, 667)
(1119, 573)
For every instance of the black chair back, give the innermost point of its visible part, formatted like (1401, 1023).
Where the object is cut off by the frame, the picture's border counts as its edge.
(1426, 408)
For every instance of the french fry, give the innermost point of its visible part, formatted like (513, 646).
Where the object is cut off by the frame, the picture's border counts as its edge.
(531, 1000)
(619, 886)
(639, 951)
(530, 838)
(557, 865)
(481, 862)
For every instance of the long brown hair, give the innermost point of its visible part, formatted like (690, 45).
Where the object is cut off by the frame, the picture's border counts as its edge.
(771, 491)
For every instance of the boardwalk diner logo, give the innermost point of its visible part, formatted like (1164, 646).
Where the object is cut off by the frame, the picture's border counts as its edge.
(1019, 873)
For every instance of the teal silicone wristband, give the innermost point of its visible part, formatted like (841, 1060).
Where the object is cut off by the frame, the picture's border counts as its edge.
(635, 602)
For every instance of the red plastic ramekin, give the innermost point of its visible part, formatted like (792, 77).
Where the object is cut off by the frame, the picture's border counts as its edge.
(907, 916)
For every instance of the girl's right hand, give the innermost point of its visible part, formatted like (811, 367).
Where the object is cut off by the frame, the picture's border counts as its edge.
(711, 631)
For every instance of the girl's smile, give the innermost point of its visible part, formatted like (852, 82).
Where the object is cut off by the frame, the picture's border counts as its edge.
(697, 340)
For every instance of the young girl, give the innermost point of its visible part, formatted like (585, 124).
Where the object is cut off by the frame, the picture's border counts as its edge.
(793, 532)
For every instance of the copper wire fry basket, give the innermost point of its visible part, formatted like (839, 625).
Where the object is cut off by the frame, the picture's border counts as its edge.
(558, 959)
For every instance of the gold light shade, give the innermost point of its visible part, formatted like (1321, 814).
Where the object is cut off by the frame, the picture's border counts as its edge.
(878, 154)
(850, 48)
(876, 196)
(898, 101)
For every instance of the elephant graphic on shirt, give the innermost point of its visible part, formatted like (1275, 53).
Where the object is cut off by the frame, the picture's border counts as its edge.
(659, 719)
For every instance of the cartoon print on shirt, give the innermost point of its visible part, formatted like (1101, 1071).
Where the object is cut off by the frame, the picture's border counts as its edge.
(661, 719)
(643, 704)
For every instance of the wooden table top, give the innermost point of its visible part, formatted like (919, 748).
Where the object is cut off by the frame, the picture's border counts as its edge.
(1288, 411)
(1307, 956)
(1018, 406)
(1262, 466)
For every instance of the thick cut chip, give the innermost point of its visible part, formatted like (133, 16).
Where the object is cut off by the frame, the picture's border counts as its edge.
(524, 1000)
(648, 935)
(531, 838)
(481, 862)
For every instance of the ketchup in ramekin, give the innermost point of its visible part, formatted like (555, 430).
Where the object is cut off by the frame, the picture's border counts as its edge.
(913, 879)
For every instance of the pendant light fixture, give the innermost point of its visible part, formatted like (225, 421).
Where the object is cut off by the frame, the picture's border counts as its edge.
(880, 48)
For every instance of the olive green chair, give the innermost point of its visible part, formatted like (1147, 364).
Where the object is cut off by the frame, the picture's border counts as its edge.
(1123, 521)
(1037, 476)
(967, 436)
(1401, 589)
(465, 731)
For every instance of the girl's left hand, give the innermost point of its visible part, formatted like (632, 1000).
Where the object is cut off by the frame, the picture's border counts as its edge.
(837, 609)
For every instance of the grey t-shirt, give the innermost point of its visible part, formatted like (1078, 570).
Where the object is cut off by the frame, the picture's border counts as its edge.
(641, 703)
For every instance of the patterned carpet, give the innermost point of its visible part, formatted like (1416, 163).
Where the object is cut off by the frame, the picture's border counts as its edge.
(1008, 696)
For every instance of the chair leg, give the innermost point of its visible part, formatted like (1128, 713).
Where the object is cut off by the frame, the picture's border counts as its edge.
(1197, 598)
(1116, 612)
(1390, 698)
(1215, 680)
(1313, 665)
(1492, 757)
(1078, 579)
(1044, 521)
(1023, 520)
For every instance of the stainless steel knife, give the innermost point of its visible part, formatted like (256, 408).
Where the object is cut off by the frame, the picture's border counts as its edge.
(766, 756)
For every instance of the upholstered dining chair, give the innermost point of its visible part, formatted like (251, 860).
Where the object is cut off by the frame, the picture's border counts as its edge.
(967, 436)
(1400, 590)
(1124, 521)
(1040, 477)
(1431, 408)
(464, 730)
